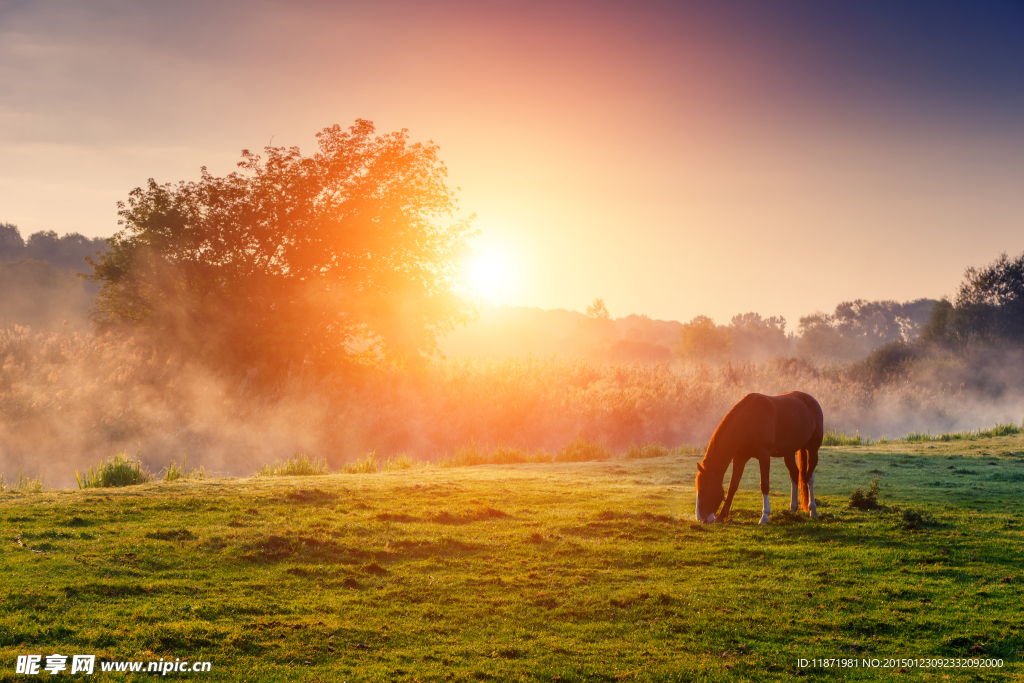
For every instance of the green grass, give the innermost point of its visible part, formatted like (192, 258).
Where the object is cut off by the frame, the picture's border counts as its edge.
(298, 466)
(22, 483)
(174, 472)
(118, 471)
(565, 571)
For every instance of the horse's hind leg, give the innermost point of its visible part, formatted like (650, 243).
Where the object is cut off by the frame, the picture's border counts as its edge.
(794, 481)
(812, 462)
(808, 461)
(766, 508)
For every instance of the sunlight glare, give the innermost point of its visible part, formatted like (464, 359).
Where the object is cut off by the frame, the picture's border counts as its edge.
(492, 275)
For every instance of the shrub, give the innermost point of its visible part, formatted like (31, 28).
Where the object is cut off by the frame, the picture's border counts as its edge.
(298, 466)
(868, 501)
(118, 471)
(503, 455)
(911, 520)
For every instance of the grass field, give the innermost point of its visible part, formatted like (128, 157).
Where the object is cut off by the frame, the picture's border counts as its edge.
(588, 571)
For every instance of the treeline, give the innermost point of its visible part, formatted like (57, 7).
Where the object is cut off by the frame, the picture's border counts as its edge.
(37, 279)
(975, 341)
(67, 253)
(850, 333)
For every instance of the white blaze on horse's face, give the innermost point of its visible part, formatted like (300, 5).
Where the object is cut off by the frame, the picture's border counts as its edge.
(709, 519)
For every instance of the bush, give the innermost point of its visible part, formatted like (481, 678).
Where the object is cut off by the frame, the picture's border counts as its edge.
(299, 466)
(118, 471)
(868, 501)
(911, 520)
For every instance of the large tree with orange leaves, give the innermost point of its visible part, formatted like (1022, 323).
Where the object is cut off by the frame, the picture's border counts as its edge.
(350, 255)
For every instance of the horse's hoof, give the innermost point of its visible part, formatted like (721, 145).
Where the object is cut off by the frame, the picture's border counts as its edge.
(764, 519)
(814, 514)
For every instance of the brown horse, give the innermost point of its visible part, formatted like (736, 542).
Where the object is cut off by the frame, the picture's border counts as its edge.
(762, 427)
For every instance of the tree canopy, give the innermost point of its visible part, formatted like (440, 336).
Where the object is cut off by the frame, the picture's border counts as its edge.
(989, 307)
(63, 253)
(333, 258)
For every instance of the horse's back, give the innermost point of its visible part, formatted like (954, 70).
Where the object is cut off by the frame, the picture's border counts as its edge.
(785, 423)
(799, 422)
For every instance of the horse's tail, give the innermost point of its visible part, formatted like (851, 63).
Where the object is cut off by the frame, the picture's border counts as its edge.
(803, 464)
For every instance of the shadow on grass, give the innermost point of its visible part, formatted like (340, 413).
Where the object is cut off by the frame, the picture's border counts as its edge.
(308, 549)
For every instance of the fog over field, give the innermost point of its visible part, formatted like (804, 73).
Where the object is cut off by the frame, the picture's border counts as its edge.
(516, 377)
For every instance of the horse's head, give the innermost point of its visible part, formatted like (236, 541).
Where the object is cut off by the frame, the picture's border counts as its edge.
(710, 494)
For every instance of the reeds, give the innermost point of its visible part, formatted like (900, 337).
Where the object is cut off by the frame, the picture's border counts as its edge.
(298, 466)
(118, 471)
(23, 484)
(174, 473)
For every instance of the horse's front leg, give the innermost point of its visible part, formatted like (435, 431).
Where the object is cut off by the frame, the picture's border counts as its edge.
(766, 508)
(734, 483)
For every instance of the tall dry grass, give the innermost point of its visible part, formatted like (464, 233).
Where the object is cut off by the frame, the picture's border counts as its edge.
(68, 399)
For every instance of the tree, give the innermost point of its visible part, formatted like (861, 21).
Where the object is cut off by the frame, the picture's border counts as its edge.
(702, 341)
(333, 259)
(598, 311)
(12, 246)
(858, 327)
(990, 303)
(758, 338)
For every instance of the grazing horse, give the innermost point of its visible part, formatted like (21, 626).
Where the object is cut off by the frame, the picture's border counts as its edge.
(761, 427)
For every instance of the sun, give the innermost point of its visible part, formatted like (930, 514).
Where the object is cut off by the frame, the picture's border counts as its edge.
(491, 275)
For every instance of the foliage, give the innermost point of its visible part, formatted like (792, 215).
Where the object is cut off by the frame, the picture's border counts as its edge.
(117, 471)
(989, 307)
(329, 259)
(866, 501)
(911, 520)
(42, 297)
(62, 253)
(298, 466)
(757, 338)
(858, 327)
(702, 341)
(887, 362)
(174, 472)
(598, 311)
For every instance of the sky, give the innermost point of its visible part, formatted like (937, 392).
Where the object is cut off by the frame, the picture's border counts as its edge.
(673, 158)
